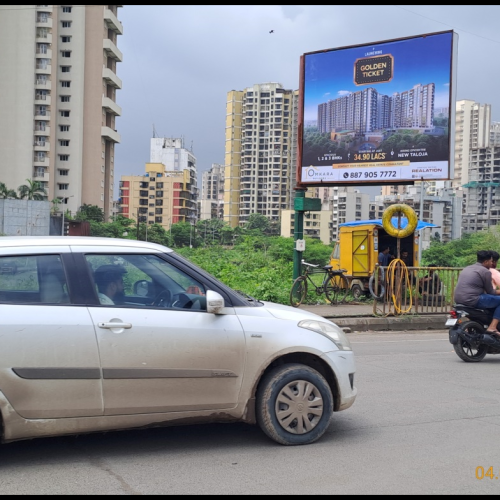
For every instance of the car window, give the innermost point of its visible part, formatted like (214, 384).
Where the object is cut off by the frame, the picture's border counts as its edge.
(143, 281)
(34, 279)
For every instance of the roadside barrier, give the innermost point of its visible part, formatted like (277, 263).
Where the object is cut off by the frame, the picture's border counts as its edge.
(403, 290)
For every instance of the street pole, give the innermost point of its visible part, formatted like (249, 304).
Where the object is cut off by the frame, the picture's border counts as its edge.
(421, 217)
(298, 234)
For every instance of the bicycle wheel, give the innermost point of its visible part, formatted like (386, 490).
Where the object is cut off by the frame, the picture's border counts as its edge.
(336, 288)
(299, 291)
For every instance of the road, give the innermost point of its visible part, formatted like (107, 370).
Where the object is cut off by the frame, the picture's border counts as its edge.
(423, 422)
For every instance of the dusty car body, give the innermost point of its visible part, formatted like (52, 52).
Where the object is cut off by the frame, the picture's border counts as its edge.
(177, 347)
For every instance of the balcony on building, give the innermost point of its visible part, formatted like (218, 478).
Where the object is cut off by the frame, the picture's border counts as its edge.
(44, 100)
(112, 21)
(39, 161)
(42, 115)
(43, 22)
(112, 50)
(43, 84)
(40, 130)
(110, 134)
(41, 145)
(43, 69)
(110, 78)
(110, 106)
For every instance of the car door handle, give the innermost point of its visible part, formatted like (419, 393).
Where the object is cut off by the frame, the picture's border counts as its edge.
(114, 325)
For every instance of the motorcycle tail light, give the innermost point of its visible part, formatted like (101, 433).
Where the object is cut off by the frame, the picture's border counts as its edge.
(453, 314)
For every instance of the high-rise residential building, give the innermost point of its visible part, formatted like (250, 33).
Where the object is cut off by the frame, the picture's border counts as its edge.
(58, 94)
(172, 154)
(157, 197)
(261, 131)
(482, 192)
(472, 130)
(211, 202)
(495, 134)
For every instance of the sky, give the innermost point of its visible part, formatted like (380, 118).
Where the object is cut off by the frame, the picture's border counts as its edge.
(180, 61)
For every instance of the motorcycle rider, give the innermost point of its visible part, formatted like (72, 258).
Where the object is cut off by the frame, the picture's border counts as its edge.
(495, 273)
(474, 288)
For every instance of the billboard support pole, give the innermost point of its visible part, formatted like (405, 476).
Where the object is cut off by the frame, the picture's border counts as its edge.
(298, 232)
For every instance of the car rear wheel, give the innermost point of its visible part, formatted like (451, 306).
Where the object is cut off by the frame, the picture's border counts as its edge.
(294, 404)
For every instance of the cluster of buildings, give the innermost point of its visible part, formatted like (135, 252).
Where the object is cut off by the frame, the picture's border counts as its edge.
(59, 111)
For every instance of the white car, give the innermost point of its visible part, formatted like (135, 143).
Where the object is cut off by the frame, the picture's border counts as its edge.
(99, 334)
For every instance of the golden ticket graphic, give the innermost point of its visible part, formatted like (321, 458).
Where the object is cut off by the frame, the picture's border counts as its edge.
(402, 163)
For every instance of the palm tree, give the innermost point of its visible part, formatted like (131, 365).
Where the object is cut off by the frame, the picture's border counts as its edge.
(34, 190)
(5, 192)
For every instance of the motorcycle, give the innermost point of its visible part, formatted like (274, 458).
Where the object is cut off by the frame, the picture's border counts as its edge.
(467, 333)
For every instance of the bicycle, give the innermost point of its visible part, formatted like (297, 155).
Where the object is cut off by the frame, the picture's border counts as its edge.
(334, 285)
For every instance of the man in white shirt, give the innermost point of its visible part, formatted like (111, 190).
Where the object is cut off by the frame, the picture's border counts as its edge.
(109, 281)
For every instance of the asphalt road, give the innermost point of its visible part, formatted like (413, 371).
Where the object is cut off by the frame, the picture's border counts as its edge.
(424, 422)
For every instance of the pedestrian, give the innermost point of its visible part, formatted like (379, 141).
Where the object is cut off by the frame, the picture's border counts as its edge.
(474, 288)
(405, 257)
(430, 284)
(384, 257)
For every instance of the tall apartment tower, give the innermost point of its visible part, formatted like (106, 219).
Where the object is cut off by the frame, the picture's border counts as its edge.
(157, 196)
(260, 134)
(472, 131)
(174, 157)
(58, 95)
(211, 203)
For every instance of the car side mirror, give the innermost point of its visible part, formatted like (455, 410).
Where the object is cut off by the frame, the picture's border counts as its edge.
(215, 302)
(141, 288)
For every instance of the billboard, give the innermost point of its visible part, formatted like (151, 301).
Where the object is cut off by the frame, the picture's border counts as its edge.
(379, 113)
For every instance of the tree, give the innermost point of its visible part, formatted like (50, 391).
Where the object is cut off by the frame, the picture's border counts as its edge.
(117, 228)
(90, 213)
(258, 221)
(5, 192)
(34, 190)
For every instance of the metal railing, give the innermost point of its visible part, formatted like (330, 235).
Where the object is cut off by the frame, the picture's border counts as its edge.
(414, 290)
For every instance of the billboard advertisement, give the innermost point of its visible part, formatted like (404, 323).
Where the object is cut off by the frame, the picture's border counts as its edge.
(378, 113)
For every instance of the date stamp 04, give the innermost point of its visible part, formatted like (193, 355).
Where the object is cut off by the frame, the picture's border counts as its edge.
(486, 473)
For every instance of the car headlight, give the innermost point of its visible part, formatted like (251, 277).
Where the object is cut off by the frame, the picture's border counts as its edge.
(330, 330)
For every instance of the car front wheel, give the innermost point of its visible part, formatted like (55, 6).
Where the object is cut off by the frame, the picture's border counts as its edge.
(294, 404)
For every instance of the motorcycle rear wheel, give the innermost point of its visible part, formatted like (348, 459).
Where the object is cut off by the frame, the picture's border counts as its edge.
(464, 350)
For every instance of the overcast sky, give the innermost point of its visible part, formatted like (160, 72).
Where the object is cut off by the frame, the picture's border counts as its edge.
(179, 62)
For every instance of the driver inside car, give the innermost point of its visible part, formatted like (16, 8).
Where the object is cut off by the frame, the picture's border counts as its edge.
(109, 281)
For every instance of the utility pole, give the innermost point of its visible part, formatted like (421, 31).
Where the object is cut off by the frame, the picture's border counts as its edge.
(421, 217)
(137, 224)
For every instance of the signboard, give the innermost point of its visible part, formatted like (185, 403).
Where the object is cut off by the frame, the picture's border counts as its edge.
(378, 113)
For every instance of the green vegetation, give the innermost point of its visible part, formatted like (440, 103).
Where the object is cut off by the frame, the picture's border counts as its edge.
(461, 253)
(33, 190)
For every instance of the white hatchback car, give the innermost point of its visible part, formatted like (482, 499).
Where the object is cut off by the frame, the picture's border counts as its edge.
(100, 334)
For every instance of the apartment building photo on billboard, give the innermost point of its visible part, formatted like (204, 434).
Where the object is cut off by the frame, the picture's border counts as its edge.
(367, 112)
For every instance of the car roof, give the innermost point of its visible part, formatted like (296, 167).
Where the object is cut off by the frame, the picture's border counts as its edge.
(15, 241)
